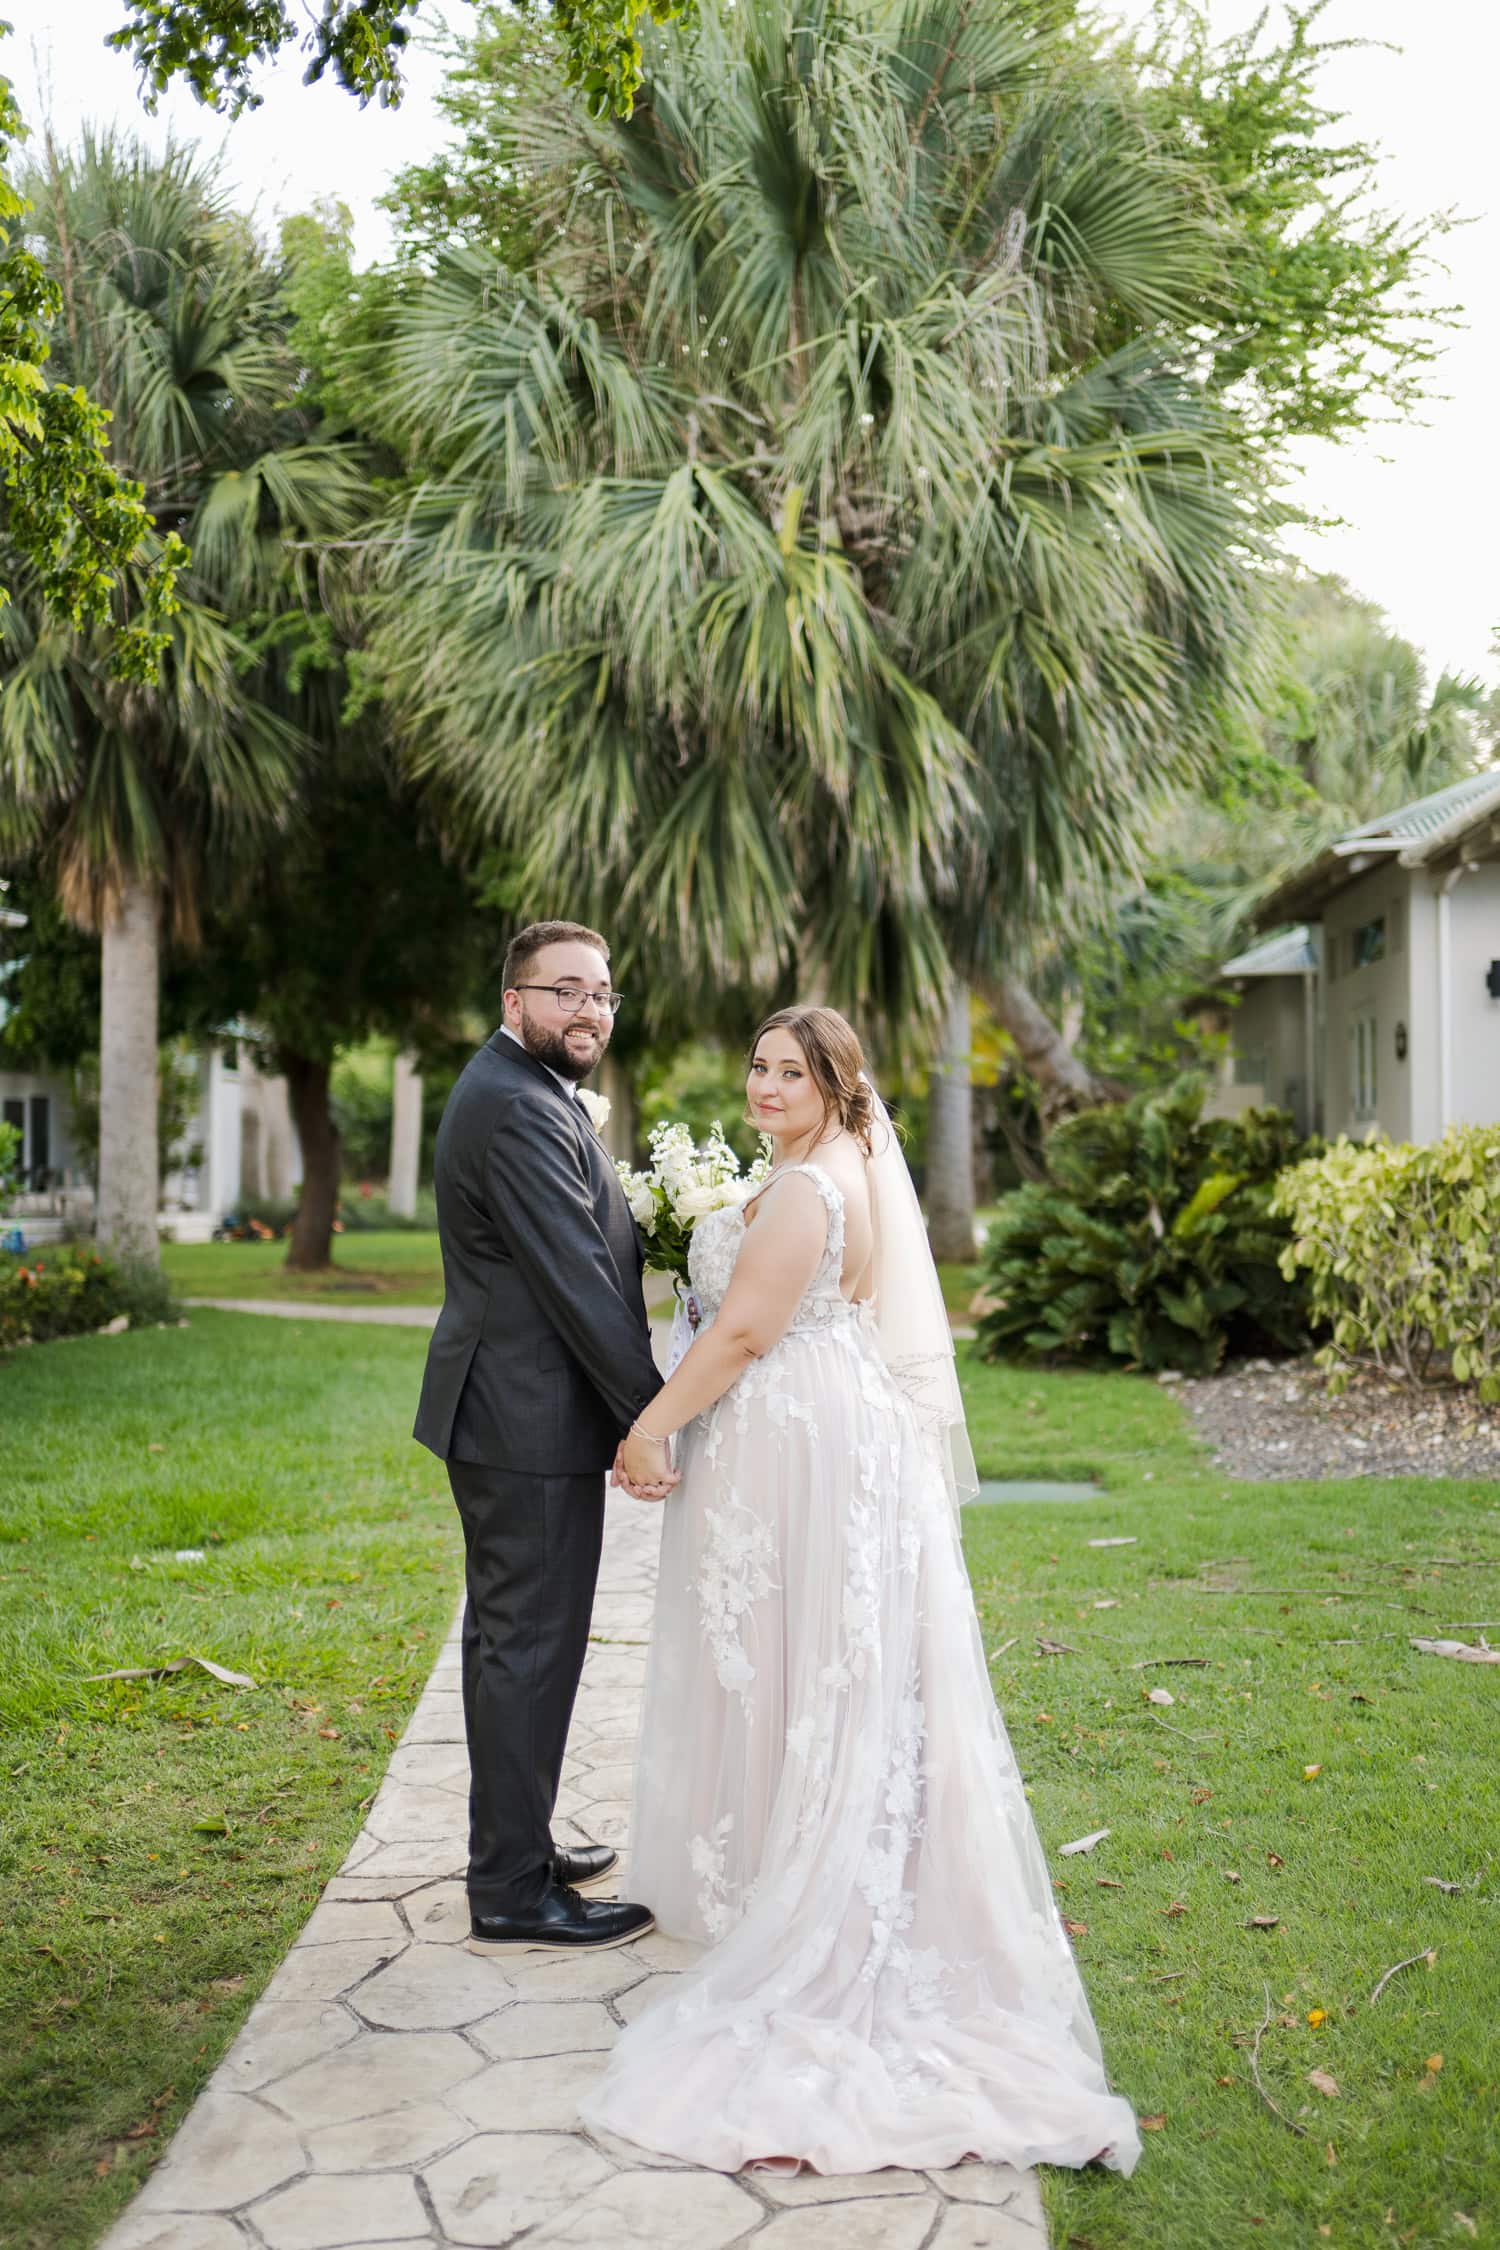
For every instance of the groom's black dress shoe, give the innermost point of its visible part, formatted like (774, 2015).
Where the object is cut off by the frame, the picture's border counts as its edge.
(580, 1870)
(561, 1922)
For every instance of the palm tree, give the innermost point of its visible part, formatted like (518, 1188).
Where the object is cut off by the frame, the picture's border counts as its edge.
(824, 542)
(135, 793)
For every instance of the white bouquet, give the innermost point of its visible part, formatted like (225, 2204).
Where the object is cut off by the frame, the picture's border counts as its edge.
(683, 1182)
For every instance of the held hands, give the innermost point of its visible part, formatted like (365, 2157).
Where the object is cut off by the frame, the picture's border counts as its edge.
(643, 1466)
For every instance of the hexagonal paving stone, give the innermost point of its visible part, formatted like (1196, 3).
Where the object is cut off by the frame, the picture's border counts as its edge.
(437, 1718)
(432, 1859)
(341, 2208)
(608, 1822)
(498, 2183)
(661, 1952)
(409, 2135)
(885, 2222)
(438, 1913)
(539, 2094)
(140, 2230)
(341, 1889)
(378, 2070)
(227, 2149)
(646, 1994)
(342, 1921)
(282, 2035)
(431, 1765)
(983, 2226)
(406, 1812)
(546, 2027)
(992, 2183)
(655, 2211)
(575, 1976)
(322, 1972)
(432, 1988)
(797, 2188)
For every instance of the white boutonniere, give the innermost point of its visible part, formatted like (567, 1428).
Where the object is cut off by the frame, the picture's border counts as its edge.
(596, 1108)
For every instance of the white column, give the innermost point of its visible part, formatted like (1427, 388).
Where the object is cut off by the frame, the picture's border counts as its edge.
(406, 1137)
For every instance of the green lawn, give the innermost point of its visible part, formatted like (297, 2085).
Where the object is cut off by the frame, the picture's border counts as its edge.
(133, 1940)
(394, 1267)
(1311, 1670)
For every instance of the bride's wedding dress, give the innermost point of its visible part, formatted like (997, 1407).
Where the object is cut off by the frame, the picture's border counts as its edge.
(827, 1800)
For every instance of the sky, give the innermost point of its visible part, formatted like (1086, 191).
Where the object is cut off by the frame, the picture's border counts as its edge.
(1415, 505)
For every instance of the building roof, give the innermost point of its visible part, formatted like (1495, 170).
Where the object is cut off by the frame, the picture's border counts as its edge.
(1467, 812)
(1292, 954)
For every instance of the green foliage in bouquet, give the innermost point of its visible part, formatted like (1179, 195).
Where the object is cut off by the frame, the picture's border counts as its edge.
(1151, 1240)
(1397, 1242)
(68, 1290)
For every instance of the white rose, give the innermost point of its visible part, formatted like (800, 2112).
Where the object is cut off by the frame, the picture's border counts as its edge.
(596, 1108)
(694, 1203)
(638, 1195)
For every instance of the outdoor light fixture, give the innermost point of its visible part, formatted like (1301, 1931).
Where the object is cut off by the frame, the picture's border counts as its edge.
(1492, 981)
(1401, 1037)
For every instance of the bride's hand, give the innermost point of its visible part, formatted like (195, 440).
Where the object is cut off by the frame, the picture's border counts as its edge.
(647, 1463)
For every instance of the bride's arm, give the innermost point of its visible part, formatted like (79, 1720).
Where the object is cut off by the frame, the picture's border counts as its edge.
(777, 1260)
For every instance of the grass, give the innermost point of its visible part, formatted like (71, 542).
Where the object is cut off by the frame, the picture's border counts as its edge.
(395, 1267)
(134, 1939)
(162, 1842)
(1312, 1669)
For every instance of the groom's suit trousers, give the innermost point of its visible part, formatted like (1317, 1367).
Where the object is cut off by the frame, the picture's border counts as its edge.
(532, 1546)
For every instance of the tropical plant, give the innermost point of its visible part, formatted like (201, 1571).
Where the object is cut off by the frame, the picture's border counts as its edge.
(10, 1163)
(133, 792)
(68, 1290)
(1151, 1241)
(790, 576)
(1396, 1243)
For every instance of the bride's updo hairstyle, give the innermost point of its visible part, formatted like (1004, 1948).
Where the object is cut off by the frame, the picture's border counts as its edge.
(836, 1061)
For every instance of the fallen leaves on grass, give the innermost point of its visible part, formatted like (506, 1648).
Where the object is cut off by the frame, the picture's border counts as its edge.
(219, 1672)
(1054, 1648)
(1113, 1542)
(1157, 1695)
(1075, 1929)
(1177, 1907)
(1264, 1922)
(1465, 1651)
(1156, 2124)
(1327, 2086)
(1260, 2086)
(1082, 1843)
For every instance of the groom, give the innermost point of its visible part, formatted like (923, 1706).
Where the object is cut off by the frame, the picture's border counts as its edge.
(540, 1361)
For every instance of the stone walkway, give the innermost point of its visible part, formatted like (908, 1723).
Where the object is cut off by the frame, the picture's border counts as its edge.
(297, 1308)
(389, 2088)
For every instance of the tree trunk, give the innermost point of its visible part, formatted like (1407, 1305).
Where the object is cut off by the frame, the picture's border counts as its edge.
(406, 1138)
(950, 1139)
(615, 1085)
(312, 1229)
(129, 1183)
(1066, 1084)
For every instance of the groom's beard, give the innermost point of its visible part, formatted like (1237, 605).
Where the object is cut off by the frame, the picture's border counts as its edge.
(570, 1053)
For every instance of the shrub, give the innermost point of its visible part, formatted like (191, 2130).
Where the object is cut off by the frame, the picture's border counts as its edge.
(67, 1289)
(1397, 1242)
(1151, 1240)
(10, 1163)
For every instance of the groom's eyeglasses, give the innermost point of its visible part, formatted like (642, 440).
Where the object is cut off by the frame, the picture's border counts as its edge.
(571, 997)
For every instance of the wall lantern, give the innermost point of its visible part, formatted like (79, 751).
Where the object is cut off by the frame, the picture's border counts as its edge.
(1492, 981)
(1401, 1037)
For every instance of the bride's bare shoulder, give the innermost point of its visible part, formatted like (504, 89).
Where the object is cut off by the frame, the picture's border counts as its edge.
(846, 1164)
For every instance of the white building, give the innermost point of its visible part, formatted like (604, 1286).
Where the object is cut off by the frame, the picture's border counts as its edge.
(1381, 1007)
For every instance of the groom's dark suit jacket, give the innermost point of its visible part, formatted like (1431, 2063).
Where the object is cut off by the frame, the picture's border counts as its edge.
(541, 1358)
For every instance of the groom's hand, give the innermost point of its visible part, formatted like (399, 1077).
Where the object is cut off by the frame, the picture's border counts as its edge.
(642, 1487)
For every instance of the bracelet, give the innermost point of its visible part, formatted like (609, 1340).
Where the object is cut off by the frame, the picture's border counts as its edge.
(638, 1429)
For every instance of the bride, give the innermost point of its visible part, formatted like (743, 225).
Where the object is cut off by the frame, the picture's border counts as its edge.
(826, 1797)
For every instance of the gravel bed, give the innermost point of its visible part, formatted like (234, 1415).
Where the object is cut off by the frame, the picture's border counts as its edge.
(1274, 1419)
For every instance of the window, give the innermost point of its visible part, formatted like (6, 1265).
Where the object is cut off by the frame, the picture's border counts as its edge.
(39, 1149)
(1363, 1032)
(1368, 943)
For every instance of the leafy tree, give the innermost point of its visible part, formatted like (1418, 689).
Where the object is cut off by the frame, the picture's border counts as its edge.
(217, 45)
(95, 554)
(786, 558)
(137, 794)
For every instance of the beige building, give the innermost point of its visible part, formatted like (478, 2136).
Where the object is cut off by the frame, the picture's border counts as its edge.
(1380, 1008)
